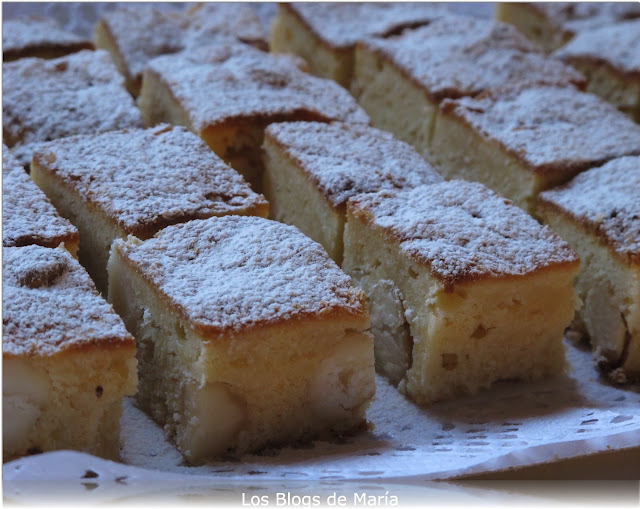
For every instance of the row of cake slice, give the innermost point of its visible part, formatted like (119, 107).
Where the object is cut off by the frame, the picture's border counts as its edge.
(480, 102)
(451, 357)
(480, 260)
(247, 334)
(601, 40)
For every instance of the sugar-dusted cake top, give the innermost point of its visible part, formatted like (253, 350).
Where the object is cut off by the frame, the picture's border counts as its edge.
(24, 36)
(49, 99)
(459, 55)
(341, 25)
(145, 179)
(549, 129)
(50, 305)
(234, 273)
(615, 45)
(237, 82)
(462, 231)
(147, 31)
(343, 160)
(606, 200)
(28, 217)
(577, 16)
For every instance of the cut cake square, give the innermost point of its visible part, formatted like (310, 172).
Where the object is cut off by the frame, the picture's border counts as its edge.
(38, 37)
(325, 34)
(610, 59)
(28, 217)
(228, 94)
(464, 288)
(67, 359)
(137, 181)
(598, 213)
(44, 100)
(313, 168)
(400, 81)
(551, 25)
(248, 335)
(135, 35)
(523, 140)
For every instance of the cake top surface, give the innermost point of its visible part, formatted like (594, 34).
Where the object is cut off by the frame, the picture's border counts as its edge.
(34, 32)
(459, 55)
(75, 94)
(235, 273)
(618, 45)
(145, 179)
(50, 305)
(577, 16)
(341, 25)
(28, 217)
(343, 160)
(607, 201)
(462, 231)
(147, 31)
(550, 129)
(234, 82)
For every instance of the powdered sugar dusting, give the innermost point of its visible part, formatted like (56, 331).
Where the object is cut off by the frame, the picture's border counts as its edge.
(617, 45)
(145, 179)
(234, 273)
(35, 33)
(577, 16)
(28, 217)
(343, 160)
(551, 129)
(342, 24)
(224, 82)
(146, 31)
(462, 231)
(82, 93)
(459, 55)
(607, 201)
(50, 305)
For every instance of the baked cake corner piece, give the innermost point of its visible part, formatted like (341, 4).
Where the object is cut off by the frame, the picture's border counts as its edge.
(248, 335)
(67, 365)
(44, 100)
(521, 140)
(33, 36)
(325, 34)
(229, 93)
(598, 213)
(609, 57)
(312, 168)
(137, 181)
(135, 35)
(464, 288)
(28, 217)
